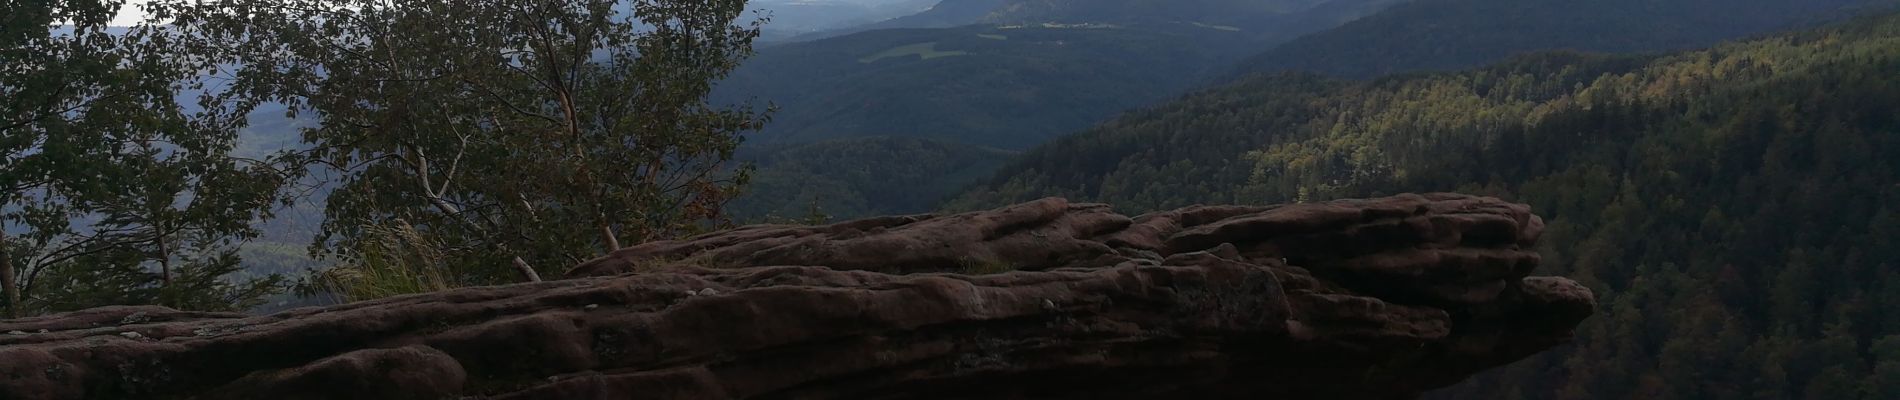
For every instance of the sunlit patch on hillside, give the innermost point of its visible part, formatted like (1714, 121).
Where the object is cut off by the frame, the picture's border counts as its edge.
(1054, 25)
(1217, 27)
(926, 50)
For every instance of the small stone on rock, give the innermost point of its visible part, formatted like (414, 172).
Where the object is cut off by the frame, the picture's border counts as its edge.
(592, 306)
(708, 292)
(132, 335)
(136, 318)
(16, 333)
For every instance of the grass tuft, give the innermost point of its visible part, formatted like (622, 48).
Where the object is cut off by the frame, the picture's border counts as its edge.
(393, 260)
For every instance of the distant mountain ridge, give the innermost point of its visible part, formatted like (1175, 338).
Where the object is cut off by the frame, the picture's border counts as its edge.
(1438, 35)
(938, 90)
(793, 18)
(982, 85)
(945, 14)
(1228, 11)
(1250, 15)
(1014, 73)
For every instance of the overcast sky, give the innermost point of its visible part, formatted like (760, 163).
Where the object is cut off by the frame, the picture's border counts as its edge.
(131, 14)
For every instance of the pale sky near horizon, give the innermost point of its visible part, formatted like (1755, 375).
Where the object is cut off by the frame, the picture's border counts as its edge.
(130, 14)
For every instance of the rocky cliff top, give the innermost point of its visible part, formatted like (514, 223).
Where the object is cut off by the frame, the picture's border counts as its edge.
(1382, 298)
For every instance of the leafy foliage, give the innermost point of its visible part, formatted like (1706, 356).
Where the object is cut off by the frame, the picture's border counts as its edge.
(528, 133)
(1735, 209)
(213, 281)
(112, 191)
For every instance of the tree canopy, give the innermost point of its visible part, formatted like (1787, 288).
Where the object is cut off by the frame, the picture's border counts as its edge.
(520, 136)
(1735, 209)
(112, 190)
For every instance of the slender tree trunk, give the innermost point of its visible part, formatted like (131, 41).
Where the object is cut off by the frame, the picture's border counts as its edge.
(8, 283)
(164, 263)
(607, 234)
(450, 210)
(526, 271)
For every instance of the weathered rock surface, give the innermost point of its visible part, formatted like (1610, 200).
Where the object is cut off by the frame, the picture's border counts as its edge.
(1362, 299)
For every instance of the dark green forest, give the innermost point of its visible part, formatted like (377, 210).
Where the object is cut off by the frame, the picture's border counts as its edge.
(1737, 210)
(1014, 74)
(1262, 18)
(1456, 34)
(1016, 87)
(984, 85)
(860, 177)
(944, 14)
(985, 74)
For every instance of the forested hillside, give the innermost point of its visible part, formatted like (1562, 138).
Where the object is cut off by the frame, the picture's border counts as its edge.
(1737, 210)
(793, 18)
(1027, 71)
(1263, 17)
(1123, 9)
(1455, 34)
(860, 177)
(984, 85)
(1260, 16)
(943, 14)
(1005, 74)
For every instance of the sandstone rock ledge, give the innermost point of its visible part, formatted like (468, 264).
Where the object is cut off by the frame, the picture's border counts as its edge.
(1358, 299)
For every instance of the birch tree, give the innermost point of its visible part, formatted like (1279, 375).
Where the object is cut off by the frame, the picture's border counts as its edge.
(522, 136)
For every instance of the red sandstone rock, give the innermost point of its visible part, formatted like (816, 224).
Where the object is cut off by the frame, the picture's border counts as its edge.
(1370, 299)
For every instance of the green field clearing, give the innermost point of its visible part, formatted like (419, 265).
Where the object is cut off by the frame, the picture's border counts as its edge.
(1217, 27)
(926, 50)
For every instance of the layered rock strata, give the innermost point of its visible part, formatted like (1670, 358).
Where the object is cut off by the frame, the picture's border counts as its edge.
(1357, 299)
